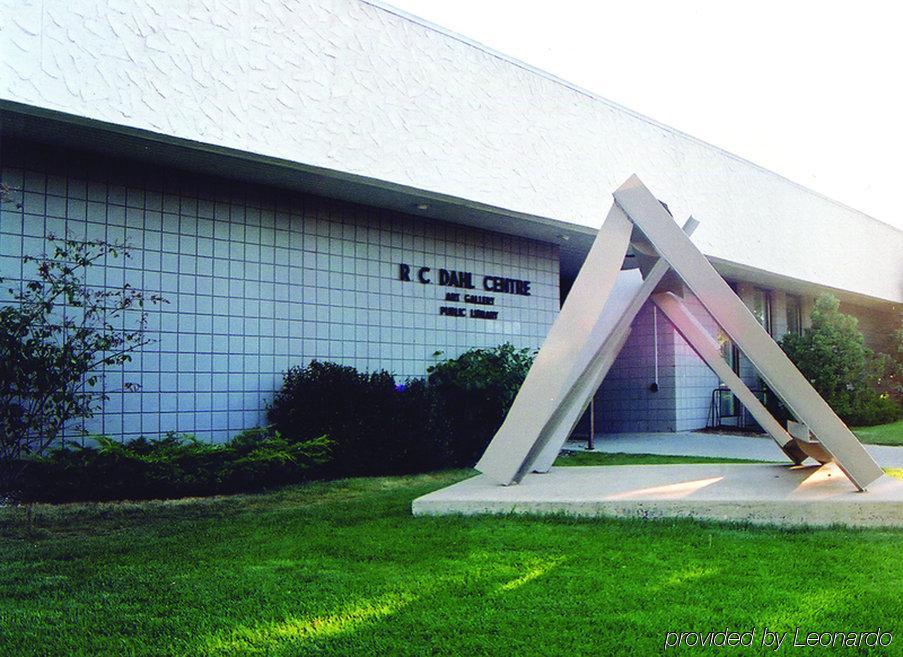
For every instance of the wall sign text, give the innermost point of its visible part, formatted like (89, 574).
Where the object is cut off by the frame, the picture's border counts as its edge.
(467, 281)
(464, 279)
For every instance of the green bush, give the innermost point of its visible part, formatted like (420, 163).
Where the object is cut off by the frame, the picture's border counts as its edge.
(891, 368)
(472, 394)
(374, 427)
(875, 409)
(380, 427)
(359, 411)
(832, 355)
(173, 466)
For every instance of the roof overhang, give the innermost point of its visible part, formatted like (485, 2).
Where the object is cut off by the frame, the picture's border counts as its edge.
(106, 139)
(735, 271)
(573, 240)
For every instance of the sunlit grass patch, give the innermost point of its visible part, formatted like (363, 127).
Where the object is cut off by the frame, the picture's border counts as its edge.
(295, 632)
(532, 572)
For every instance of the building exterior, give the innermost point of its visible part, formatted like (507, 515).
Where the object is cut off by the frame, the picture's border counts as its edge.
(313, 179)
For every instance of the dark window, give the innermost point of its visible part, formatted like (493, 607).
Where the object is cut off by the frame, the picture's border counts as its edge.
(794, 314)
(760, 305)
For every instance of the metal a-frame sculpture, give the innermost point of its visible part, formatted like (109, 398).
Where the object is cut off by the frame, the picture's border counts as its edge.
(594, 324)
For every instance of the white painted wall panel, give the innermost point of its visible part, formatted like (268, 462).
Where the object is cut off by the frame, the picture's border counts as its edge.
(355, 87)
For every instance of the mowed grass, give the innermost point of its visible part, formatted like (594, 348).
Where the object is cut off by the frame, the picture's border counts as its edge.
(342, 568)
(882, 434)
(621, 458)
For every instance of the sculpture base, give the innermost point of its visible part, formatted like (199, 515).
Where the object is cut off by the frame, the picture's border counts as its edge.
(761, 494)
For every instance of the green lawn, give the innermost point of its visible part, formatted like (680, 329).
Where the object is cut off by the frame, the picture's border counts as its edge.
(882, 434)
(343, 568)
(620, 458)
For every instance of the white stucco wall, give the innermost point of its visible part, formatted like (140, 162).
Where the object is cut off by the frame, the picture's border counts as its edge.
(355, 87)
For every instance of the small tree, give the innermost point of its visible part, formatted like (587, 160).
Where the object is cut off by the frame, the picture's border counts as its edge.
(832, 355)
(57, 335)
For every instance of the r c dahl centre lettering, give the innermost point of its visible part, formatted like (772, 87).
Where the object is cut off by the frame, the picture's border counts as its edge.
(464, 279)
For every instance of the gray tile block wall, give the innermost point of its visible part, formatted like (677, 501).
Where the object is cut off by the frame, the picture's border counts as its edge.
(259, 279)
(625, 401)
(695, 381)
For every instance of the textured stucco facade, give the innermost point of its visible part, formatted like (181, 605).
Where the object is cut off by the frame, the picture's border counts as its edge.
(357, 87)
(258, 280)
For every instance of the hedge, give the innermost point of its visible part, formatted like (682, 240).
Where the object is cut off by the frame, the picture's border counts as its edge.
(173, 466)
(326, 421)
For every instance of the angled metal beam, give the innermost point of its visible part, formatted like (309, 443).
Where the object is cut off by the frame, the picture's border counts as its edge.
(707, 348)
(596, 359)
(516, 443)
(731, 313)
(585, 379)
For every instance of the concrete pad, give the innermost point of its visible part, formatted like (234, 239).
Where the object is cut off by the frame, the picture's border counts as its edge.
(811, 495)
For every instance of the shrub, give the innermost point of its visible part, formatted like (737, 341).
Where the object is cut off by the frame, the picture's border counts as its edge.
(263, 458)
(890, 368)
(472, 394)
(379, 427)
(173, 466)
(56, 338)
(832, 355)
(874, 409)
(373, 426)
(358, 411)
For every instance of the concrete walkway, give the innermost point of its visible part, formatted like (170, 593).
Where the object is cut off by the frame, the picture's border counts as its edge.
(692, 443)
